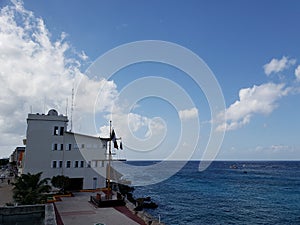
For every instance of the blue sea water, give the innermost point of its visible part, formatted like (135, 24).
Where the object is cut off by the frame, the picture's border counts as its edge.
(253, 193)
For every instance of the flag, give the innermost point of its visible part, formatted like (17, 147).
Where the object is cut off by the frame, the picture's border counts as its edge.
(114, 139)
(116, 145)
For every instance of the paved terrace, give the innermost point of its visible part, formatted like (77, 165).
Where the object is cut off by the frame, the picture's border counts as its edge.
(78, 211)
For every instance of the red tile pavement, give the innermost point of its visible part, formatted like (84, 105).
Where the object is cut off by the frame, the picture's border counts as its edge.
(131, 215)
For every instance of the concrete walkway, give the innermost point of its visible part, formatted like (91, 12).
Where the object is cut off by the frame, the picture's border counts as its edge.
(77, 211)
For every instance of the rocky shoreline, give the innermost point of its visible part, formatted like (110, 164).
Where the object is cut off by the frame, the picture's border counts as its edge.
(149, 219)
(136, 206)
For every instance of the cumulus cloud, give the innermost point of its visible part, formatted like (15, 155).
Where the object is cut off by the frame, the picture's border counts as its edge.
(297, 73)
(141, 133)
(278, 65)
(87, 97)
(188, 113)
(256, 100)
(39, 73)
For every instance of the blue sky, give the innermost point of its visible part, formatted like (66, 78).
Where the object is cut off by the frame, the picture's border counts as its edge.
(236, 39)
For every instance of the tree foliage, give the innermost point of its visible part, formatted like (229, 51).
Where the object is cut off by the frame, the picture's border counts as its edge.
(3, 162)
(61, 182)
(29, 189)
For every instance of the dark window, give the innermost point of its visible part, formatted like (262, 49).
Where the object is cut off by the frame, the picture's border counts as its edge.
(88, 164)
(60, 164)
(76, 164)
(61, 131)
(95, 163)
(55, 132)
(68, 164)
(61, 147)
(69, 146)
(54, 164)
(81, 164)
(55, 147)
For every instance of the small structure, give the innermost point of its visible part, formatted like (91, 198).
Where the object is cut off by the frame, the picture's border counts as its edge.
(107, 198)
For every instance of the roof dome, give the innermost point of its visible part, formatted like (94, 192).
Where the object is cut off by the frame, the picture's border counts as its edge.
(52, 112)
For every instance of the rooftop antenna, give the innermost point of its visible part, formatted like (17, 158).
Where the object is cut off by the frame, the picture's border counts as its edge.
(67, 107)
(44, 104)
(72, 108)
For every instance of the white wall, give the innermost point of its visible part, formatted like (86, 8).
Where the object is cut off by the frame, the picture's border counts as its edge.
(40, 154)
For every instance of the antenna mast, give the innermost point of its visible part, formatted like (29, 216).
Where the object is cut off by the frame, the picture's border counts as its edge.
(72, 108)
(109, 159)
(67, 106)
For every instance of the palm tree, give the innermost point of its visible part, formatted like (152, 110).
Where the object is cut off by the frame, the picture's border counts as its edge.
(29, 189)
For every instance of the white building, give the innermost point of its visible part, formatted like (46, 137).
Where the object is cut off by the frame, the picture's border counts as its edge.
(51, 149)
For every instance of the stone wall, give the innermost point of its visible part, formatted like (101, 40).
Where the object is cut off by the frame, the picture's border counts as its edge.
(43, 214)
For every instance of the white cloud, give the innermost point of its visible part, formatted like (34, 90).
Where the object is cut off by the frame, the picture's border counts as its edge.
(83, 56)
(98, 95)
(275, 148)
(297, 73)
(39, 73)
(188, 113)
(139, 133)
(256, 100)
(36, 71)
(278, 65)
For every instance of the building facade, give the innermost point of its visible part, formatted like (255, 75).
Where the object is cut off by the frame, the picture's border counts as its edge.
(17, 157)
(51, 149)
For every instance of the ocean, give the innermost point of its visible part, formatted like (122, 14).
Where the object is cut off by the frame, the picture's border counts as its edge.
(253, 192)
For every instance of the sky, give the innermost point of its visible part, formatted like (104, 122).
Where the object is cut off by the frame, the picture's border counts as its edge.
(48, 48)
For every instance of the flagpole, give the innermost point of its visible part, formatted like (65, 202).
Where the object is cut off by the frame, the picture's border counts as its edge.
(109, 159)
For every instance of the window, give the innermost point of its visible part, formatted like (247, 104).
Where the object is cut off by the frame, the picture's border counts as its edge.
(94, 164)
(60, 162)
(54, 164)
(76, 164)
(81, 164)
(55, 132)
(61, 131)
(68, 147)
(54, 147)
(88, 164)
(61, 147)
(68, 164)
(102, 163)
(58, 130)
(82, 145)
